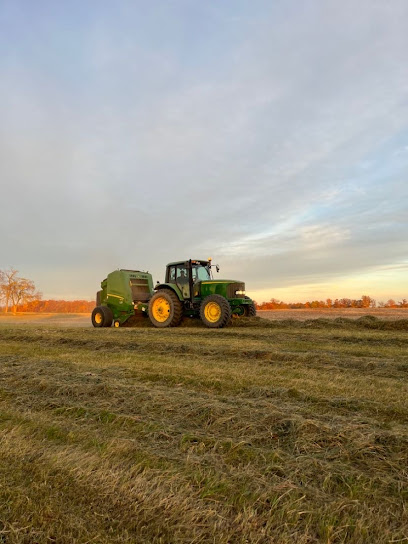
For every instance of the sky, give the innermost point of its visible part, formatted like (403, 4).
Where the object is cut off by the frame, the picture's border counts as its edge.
(270, 136)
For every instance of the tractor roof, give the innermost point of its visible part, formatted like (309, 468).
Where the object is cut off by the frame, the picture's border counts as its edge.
(203, 262)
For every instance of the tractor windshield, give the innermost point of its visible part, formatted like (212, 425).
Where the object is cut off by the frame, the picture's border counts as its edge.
(200, 273)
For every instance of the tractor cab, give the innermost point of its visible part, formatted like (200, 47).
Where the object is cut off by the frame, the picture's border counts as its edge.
(187, 274)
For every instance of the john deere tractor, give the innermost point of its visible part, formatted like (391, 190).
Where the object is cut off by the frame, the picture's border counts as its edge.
(190, 290)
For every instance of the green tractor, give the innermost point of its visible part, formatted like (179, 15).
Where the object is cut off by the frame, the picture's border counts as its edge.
(123, 294)
(190, 290)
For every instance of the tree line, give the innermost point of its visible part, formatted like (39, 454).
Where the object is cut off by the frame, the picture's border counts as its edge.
(19, 294)
(58, 306)
(364, 302)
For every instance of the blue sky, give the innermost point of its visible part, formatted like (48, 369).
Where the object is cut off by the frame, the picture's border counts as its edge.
(270, 136)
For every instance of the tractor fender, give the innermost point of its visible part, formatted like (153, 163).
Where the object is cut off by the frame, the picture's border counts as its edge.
(170, 286)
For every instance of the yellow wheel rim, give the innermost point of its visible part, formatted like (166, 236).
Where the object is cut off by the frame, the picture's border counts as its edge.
(117, 324)
(161, 309)
(98, 318)
(212, 312)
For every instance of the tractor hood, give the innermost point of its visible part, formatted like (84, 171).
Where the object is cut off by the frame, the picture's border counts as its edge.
(227, 288)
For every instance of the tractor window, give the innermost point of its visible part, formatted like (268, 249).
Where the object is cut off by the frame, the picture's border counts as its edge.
(182, 281)
(172, 274)
(182, 274)
(201, 273)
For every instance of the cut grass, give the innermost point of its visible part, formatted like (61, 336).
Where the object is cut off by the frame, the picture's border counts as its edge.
(282, 432)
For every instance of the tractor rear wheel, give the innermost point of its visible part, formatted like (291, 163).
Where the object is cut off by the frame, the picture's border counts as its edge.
(102, 316)
(215, 311)
(165, 309)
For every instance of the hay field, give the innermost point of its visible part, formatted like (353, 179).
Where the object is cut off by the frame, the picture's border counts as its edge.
(48, 319)
(390, 314)
(84, 320)
(264, 432)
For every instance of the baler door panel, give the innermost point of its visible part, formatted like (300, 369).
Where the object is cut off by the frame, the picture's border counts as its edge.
(140, 290)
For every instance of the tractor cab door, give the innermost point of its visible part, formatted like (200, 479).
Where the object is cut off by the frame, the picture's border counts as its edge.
(179, 275)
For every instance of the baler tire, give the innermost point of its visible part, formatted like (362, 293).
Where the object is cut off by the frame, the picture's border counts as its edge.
(165, 309)
(107, 312)
(215, 312)
(98, 317)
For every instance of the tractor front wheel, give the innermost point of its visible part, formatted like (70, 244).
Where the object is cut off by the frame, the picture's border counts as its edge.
(102, 316)
(215, 311)
(250, 310)
(165, 309)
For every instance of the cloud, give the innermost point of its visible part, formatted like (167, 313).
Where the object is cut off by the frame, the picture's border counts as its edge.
(137, 135)
(322, 236)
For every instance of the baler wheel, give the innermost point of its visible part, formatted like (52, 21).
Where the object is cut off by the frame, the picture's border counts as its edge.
(108, 315)
(165, 309)
(102, 316)
(97, 317)
(215, 311)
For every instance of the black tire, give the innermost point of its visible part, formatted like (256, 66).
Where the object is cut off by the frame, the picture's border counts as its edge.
(215, 311)
(250, 310)
(165, 309)
(98, 317)
(108, 316)
(102, 317)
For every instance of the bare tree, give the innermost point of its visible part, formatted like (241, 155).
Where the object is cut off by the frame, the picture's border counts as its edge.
(15, 290)
(2, 281)
(8, 280)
